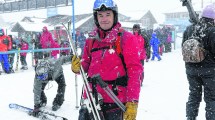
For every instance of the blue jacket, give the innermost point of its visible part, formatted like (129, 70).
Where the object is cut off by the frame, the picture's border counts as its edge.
(154, 42)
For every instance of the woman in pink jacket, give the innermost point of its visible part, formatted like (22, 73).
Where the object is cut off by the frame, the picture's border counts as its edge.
(141, 43)
(47, 41)
(23, 46)
(102, 59)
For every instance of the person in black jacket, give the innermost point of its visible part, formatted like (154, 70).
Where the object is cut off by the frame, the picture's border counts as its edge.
(11, 56)
(37, 45)
(201, 75)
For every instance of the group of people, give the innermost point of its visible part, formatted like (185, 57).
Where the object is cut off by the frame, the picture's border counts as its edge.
(118, 56)
(10, 43)
(42, 40)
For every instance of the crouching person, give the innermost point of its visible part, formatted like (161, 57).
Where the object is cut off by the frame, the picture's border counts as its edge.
(45, 71)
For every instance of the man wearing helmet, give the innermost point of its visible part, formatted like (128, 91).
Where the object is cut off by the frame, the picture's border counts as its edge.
(201, 75)
(45, 71)
(104, 60)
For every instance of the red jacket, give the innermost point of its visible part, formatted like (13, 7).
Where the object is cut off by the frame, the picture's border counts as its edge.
(109, 66)
(4, 47)
(46, 39)
(24, 46)
(141, 42)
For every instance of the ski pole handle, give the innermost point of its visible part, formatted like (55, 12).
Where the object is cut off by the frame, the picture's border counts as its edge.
(110, 93)
(100, 81)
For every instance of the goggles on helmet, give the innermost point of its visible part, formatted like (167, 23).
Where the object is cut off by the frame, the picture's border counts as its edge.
(42, 77)
(41, 70)
(106, 3)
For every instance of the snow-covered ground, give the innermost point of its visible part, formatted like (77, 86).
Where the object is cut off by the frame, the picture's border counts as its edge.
(163, 95)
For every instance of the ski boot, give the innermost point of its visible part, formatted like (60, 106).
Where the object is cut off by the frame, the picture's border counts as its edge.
(55, 107)
(12, 71)
(24, 67)
(191, 118)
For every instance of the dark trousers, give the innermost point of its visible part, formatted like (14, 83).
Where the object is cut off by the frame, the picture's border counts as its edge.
(39, 95)
(112, 112)
(109, 112)
(11, 60)
(23, 60)
(197, 83)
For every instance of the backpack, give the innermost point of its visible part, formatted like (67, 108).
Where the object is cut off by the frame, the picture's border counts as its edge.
(193, 50)
(117, 46)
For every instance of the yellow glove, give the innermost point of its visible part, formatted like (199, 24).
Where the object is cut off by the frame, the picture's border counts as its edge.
(76, 64)
(131, 111)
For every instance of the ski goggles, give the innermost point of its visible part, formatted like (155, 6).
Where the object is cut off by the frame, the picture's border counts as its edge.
(107, 3)
(41, 70)
(42, 77)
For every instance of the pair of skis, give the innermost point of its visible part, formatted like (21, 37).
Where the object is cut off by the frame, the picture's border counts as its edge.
(92, 102)
(42, 115)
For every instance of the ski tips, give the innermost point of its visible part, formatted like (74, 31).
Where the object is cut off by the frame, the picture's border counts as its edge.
(12, 105)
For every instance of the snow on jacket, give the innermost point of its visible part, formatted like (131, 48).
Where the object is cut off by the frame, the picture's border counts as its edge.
(141, 43)
(3, 46)
(108, 64)
(46, 39)
(24, 46)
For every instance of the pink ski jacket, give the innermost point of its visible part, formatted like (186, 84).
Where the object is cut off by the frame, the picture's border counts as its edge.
(46, 39)
(24, 46)
(141, 42)
(108, 64)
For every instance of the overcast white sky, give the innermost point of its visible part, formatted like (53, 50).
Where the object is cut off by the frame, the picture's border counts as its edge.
(86, 6)
(132, 5)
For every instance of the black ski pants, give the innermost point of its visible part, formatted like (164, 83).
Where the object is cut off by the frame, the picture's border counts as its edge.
(201, 82)
(23, 60)
(39, 94)
(11, 60)
(112, 112)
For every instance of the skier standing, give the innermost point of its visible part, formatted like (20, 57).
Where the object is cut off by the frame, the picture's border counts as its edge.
(23, 46)
(5, 45)
(155, 42)
(141, 42)
(46, 41)
(11, 55)
(104, 60)
(201, 76)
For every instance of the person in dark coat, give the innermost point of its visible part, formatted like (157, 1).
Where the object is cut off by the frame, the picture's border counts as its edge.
(201, 76)
(146, 44)
(37, 45)
(11, 56)
(81, 41)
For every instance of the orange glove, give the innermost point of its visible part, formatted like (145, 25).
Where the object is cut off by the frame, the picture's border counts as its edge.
(76, 64)
(131, 111)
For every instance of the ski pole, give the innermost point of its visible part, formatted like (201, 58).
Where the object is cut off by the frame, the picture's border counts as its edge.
(109, 92)
(84, 78)
(76, 89)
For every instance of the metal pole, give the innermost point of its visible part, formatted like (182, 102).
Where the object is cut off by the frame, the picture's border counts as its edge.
(73, 35)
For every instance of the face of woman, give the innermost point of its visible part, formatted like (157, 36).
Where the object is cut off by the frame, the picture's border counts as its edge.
(105, 19)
